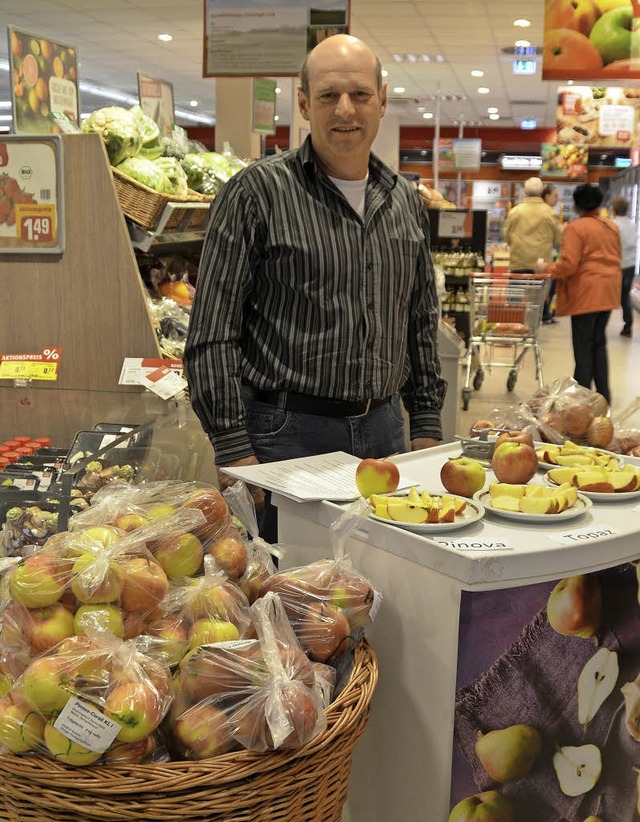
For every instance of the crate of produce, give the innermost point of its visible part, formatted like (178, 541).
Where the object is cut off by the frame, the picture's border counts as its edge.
(290, 786)
(145, 206)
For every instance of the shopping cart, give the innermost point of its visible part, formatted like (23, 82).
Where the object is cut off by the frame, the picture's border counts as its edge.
(505, 312)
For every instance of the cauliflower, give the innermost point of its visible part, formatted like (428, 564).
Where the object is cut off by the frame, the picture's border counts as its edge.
(119, 129)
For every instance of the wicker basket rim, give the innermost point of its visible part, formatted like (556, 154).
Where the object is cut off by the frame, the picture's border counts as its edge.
(168, 198)
(343, 714)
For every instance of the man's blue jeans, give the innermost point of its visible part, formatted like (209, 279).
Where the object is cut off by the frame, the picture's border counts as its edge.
(277, 434)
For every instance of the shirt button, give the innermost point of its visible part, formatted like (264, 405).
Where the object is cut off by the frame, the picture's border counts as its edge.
(371, 306)
(369, 266)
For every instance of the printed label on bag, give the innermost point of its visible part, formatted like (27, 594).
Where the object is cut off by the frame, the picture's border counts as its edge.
(375, 605)
(582, 535)
(83, 724)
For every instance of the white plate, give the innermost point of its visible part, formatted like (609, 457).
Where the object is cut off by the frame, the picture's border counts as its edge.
(599, 496)
(472, 513)
(547, 466)
(583, 504)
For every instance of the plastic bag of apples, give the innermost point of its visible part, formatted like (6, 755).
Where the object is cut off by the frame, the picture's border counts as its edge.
(98, 578)
(257, 694)
(567, 410)
(328, 602)
(89, 700)
(135, 508)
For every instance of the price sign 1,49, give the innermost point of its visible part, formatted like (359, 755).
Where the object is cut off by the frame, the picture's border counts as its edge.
(36, 229)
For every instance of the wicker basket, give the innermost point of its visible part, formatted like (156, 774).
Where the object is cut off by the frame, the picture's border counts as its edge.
(308, 785)
(145, 206)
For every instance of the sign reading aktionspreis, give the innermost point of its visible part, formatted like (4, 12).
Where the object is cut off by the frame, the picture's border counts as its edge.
(598, 40)
(597, 116)
(253, 38)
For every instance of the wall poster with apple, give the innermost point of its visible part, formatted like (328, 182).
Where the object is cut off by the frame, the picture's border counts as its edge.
(547, 718)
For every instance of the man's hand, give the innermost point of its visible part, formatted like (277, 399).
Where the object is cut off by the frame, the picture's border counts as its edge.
(423, 442)
(226, 481)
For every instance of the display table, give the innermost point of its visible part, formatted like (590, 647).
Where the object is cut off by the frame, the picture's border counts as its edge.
(402, 770)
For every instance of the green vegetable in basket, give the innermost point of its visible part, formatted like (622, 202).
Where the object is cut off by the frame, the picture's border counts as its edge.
(176, 174)
(172, 148)
(151, 144)
(119, 130)
(206, 172)
(146, 172)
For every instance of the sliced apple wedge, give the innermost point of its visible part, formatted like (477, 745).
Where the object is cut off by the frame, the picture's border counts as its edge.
(506, 503)
(506, 489)
(538, 505)
(413, 496)
(426, 499)
(405, 511)
(459, 504)
(570, 495)
(574, 459)
(622, 481)
(539, 491)
(595, 482)
(434, 511)
(380, 509)
(560, 475)
(447, 512)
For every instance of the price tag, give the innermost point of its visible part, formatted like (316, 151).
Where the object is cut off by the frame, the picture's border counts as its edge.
(42, 366)
(164, 382)
(35, 223)
(475, 544)
(83, 724)
(592, 533)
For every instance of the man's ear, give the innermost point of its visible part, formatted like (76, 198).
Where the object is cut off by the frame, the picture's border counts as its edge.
(303, 104)
(383, 100)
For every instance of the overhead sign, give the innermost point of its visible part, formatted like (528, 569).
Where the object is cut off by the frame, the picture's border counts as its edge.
(524, 66)
(583, 44)
(251, 38)
(511, 162)
(528, 125)
(45, 83)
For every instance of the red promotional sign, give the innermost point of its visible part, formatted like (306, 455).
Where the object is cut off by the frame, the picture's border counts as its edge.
(597, 40)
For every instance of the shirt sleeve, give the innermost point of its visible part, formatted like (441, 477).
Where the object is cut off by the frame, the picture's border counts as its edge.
(424, 391)
(570, 254)
(212, 352)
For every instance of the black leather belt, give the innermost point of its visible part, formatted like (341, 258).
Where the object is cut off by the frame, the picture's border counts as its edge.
(321, 406)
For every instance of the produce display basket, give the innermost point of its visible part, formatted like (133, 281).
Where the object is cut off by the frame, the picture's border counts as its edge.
(307, 785)
(145, 206)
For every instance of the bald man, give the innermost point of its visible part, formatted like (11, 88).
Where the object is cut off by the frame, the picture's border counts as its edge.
(316, 312)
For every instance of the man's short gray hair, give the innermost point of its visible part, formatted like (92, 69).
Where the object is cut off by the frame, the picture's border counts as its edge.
(533, 187)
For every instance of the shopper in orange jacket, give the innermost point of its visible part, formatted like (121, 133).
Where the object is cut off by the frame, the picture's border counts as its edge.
(589, 275)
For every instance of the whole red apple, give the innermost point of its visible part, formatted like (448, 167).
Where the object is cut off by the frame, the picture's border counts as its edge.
(376, 477)
(38, 580)
(138, 707)
(203, 731)
(46, 627)
(180, 556)
(514, 462)
(230, 554)
(322, 631)
(145, 584)
(462, 476)
(514, 436)
(215, 509)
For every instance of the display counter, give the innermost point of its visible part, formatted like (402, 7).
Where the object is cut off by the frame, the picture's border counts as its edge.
(458, 608)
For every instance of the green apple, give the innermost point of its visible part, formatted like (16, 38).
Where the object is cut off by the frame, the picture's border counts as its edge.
(375, 476)
(488, 806)
(37, 581)
(21, 728)
(203, 731)
(47, 684)
(206, 631)
(99, 618)
(96, 579)
(138, 706)
(613, 37)
(180, 556)
(64, 750)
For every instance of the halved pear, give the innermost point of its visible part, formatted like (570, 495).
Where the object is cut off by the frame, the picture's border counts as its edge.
(506, 503)
(577, 768)
(506, 489)
(405, 511)
(537, 505)
(596, 681)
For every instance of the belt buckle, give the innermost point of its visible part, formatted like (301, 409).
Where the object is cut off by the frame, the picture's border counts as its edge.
(367, 408)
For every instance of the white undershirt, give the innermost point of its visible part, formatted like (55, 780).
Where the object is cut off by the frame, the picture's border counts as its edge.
(355, 192)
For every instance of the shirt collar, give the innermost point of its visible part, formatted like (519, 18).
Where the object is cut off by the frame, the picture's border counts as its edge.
(378, 170)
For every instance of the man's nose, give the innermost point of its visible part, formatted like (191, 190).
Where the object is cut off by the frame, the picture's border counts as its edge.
(345, 106)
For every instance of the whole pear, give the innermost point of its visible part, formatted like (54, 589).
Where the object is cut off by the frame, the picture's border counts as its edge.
(508, 754)
(488, 806)
(575, 606)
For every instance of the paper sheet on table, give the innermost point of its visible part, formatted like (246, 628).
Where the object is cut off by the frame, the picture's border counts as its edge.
(305, 479)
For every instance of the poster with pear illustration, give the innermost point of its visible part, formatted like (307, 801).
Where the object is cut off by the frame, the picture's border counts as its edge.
(547, 718)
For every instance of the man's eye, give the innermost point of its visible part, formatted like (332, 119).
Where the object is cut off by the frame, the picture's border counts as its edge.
(361, 96)
(329, 96)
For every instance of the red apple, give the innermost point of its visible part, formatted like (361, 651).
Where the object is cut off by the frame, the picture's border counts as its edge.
(145, 584)
(202, 732)
(514, 436)
(215, 509)
(322, 631)
(576, 419)
(514, 462)
(230, 554)
(130, 753)
(46, 627)
(179, 556)
(209, 598)
(375, 476)
(215, 670)
(207, 631)
(579, 15)
(47, 683)
(462, 476)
